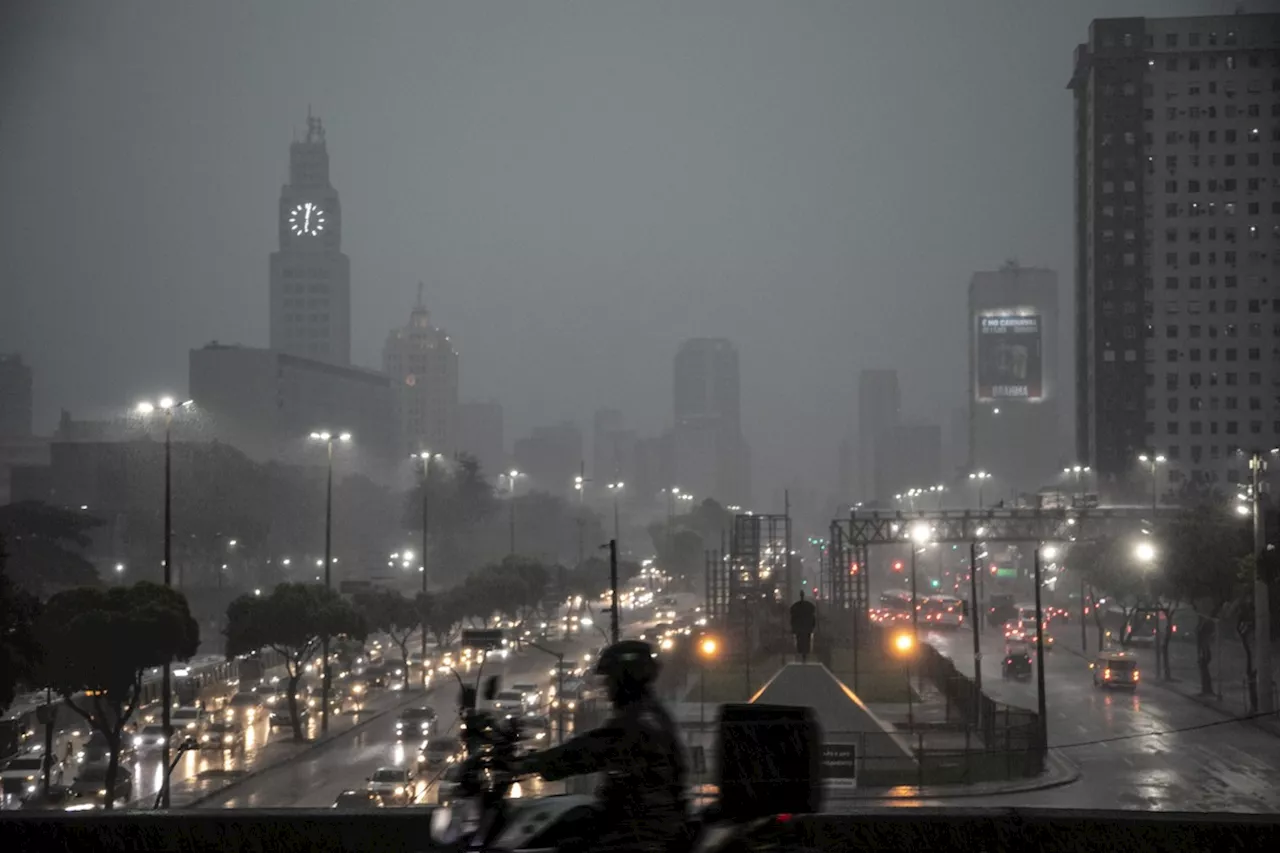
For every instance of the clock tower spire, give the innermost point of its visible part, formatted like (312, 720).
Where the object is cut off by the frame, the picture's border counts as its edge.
(310, 276)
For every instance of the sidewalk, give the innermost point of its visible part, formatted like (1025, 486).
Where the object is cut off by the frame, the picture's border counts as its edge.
(1231, 698)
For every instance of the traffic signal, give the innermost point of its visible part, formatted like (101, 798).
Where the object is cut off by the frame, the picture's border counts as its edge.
(934, 583)
(853, 568)
(897, 565)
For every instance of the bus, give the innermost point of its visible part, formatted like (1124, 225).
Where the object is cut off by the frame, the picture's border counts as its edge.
(895, 606)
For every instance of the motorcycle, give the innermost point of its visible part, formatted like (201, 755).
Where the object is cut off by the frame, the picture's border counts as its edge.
(482, 817)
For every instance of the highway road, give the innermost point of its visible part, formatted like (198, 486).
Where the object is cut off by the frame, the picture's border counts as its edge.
(315, 780)
(1152, 749)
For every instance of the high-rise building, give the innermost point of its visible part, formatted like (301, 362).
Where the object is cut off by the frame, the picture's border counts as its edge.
(267, 403)
(1013, 369)
(310, 276)
(613, 450)
(1177, 144)
(710, 455)
(912, 455)
(480, 434)
(879, 414)
(551, 456)
(15, 397)
(423, 367)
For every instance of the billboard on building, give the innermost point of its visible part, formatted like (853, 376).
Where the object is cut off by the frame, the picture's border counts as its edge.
(1010, 360)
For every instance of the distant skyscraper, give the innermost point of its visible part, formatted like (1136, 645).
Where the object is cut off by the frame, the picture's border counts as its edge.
(711, 457)
(480, 433)
(310, 276)
(606, 465)
(1013, 357)
(15, 397)
(551, 456)
(879, 414)
(1177, 146)
(423, 367)
(912, 458)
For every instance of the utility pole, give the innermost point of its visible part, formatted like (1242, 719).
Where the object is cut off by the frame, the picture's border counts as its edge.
(973, 621)
(1041, 707)
(613, 590)
(328, 584)
(1261, 593)
(166, 688)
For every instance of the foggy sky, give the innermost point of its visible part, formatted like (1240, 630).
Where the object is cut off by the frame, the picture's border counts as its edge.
(581, 186)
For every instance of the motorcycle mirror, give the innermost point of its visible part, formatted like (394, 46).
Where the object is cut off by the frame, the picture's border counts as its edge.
(491, 685)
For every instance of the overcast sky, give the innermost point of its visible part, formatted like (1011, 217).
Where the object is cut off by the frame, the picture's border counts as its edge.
(581, 186)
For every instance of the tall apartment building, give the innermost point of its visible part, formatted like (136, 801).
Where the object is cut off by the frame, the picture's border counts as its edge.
(1177, 302)
(711, 456)
(879, 415)
(15, 396)
(423, 366)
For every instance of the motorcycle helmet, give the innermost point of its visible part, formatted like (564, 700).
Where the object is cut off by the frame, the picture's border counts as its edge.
(628, 668)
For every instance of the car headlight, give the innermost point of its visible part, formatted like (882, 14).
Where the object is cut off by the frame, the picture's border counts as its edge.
(205, 738)
(102, 792)
(137, 740)
(228, 738)
(399, 790)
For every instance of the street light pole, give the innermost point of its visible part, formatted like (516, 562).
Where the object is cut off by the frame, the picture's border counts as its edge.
(166, 405)
(426, 457)
(1261, 593)
(328, 438)
(1041, 707)
(973, 599)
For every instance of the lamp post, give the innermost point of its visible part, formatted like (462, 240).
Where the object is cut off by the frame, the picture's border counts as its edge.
(615, 489)
(1077, 471)
(1266, 700)
(1041, 706)
(328, 438)
(1145, 552)
(706, 650)
(919, 536)
(425, 457)
(904, 645)
(1152, 460)
(979, 477)
(166, 405)
(511, 505)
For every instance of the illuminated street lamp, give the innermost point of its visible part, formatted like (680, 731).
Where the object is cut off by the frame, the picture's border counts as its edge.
(904, 646)
(979, 477)
(615, 489)
(1152, 460)
(166, 406)
(328, 438)
(707, 649)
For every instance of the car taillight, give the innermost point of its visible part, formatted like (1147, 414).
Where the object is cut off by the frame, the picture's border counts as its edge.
(1135, 675)
(1106, 674)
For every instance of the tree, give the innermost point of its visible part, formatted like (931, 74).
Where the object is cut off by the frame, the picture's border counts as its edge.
(461, 502)
(19, 649)
(45, 546)
(440, 613)
(1109, 573)
(99, 643)
(293, 620)
(393, 614)
(1200, 565)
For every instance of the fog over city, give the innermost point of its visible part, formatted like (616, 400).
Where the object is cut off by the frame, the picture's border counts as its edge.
(580, 186)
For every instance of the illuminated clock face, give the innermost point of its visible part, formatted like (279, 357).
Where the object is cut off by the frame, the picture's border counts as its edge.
(306, 218)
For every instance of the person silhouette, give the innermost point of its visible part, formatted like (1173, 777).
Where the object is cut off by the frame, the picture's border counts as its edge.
(804, 617)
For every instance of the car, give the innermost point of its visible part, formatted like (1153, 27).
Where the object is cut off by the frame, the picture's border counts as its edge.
(415, 723)
(22, 775)
(378, 675)
(280, 716)
(154, 737)
(352, 800)
(91, 783)
(393, 785)
(508, 702)
(188, 718)
(1113, 669)
(531, 695)
(95, 749)
(244, 705)
(439, 752)
(1017, 661)
(535, 731)
(571, 695)
(222, 734)
(447, 788)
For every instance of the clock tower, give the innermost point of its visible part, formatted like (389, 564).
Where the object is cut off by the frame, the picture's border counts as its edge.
(310, 276)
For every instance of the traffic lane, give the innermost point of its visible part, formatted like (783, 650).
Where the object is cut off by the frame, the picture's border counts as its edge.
(1146, 749)
(316, 780)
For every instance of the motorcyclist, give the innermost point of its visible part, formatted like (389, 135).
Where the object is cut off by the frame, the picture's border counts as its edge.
(639, 752)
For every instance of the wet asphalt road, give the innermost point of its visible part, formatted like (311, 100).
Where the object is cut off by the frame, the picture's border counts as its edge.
(316, 780)
(1151, 749)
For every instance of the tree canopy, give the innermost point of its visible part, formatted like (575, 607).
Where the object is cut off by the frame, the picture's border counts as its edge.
(294, 619)
(393, 614)
(19, 645)
(98, 645)
(45, 546)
